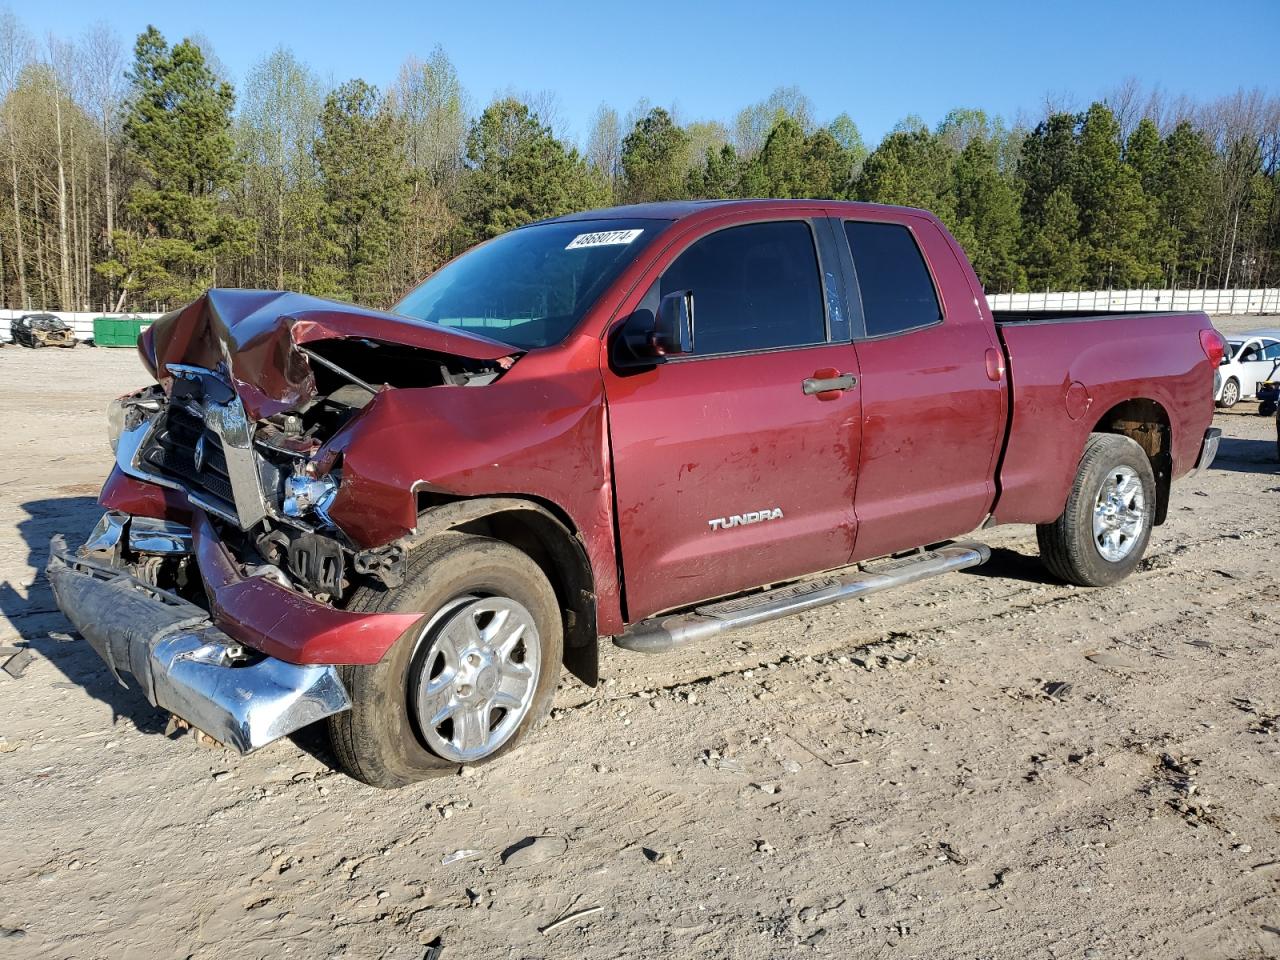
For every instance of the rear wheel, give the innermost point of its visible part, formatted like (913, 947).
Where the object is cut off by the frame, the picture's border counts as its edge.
(1104, 529)
(1230, 394)
(472, 677)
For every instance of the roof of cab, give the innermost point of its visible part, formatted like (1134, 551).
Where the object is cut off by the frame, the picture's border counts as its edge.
(679, 209)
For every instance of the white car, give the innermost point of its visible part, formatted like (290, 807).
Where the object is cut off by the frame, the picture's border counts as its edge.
(1250, 358)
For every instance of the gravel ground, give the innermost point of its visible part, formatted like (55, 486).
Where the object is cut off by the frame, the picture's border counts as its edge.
(985, 765)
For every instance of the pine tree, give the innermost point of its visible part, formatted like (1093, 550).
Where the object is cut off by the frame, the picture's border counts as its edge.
(988, 220)
(779, 169)
(520, 172)
(1112, 206)
(655, 158)
(1146, 155)
(179, 130)
(1052, 252)
(1047, 161)
(364, 188)
(910, 168)
(1184, 200)
(718, 178)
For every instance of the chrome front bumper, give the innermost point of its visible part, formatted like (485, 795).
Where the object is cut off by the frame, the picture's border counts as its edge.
(185, 664)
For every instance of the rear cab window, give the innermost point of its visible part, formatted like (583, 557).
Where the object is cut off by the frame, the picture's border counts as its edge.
(755, 287)
(898, 293)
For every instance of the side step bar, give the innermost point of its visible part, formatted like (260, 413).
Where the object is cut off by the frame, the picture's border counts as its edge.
(677, 629)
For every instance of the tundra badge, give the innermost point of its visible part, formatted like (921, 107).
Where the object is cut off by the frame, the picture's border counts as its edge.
(740, 519)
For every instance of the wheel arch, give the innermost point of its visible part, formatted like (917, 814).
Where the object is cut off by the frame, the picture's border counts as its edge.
(547, 536)
(1146, 422)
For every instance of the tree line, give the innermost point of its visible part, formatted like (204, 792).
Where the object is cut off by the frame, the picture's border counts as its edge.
(136, 179)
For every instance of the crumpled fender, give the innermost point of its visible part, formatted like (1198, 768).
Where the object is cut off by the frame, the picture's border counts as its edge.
(539, 433)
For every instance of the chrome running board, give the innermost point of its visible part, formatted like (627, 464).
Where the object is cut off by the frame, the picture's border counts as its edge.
(677, 629)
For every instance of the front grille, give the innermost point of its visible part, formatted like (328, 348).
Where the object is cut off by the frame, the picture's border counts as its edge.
(172, 453)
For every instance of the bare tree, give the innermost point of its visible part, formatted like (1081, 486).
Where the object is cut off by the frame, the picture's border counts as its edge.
(604, 144)
(15, 54)
(61, 56)
(104, 76)
(430, 101)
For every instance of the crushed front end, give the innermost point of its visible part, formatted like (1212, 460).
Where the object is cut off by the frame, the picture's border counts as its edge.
(217, 578)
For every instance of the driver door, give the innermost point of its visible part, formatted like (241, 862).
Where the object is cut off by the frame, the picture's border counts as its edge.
(727, 473)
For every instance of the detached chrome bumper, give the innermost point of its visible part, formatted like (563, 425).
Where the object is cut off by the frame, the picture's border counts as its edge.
(185, 664)
(1208, 450)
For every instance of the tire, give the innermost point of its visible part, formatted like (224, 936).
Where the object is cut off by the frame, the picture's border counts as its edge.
(1266, 408)
(1104, 494)
(383, 739)
(1230, 394)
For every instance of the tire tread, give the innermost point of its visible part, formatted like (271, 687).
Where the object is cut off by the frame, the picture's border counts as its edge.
(1069, 555)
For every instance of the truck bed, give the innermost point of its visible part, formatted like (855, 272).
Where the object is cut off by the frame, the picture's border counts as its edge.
(1041, 316)
(1070, 372)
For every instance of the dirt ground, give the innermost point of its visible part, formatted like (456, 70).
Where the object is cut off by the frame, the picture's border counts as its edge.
(986, 765)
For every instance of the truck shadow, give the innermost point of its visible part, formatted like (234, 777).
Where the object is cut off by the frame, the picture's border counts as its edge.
(1010, 565)
(1246, 456)
(40, 623)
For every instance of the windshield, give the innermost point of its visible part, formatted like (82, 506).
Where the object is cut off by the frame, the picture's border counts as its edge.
(531, 286)
(1230, 352)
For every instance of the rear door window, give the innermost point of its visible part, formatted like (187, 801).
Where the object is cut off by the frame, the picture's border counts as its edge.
(755, 287)
(897, 291)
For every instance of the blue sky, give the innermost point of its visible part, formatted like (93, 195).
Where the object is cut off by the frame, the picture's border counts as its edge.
(879, 62)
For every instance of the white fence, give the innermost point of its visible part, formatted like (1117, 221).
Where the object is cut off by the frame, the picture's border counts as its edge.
(1208, 301)
(79, 321)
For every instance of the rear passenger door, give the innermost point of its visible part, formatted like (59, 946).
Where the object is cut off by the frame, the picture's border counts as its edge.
(933, 389)
(727, 474)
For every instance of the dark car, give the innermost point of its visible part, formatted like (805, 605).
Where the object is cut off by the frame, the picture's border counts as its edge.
(41, 330)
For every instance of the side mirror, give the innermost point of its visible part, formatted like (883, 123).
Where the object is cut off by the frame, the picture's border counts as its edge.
(645, 339)
(673, 328)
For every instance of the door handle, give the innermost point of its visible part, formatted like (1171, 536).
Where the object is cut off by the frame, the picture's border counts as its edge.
(994, 362)
(828, 384)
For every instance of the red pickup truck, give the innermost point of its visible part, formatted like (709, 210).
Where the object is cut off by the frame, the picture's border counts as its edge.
(651, 423)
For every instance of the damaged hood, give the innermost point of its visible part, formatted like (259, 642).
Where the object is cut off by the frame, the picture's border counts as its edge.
(256, 335)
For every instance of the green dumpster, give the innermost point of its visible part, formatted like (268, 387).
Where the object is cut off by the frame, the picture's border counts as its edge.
(118, 331)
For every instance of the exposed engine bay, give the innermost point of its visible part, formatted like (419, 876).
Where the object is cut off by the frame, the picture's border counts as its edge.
(267, 484)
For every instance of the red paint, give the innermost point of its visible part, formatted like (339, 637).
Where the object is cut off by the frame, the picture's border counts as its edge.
(122, 492)
(637, 463)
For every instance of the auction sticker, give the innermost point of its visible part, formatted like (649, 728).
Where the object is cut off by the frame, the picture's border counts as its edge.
(605, 238)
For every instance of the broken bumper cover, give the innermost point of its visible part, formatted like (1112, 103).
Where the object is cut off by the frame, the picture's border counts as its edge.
(184, 663)
(1208, 450)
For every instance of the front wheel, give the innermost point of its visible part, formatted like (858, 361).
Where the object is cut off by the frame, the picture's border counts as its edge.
(469, 680)
(1104, 529)
(1230, 394)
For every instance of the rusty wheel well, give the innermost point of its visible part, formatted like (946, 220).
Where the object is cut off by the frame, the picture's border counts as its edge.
(545, 535)
(1146, 422)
